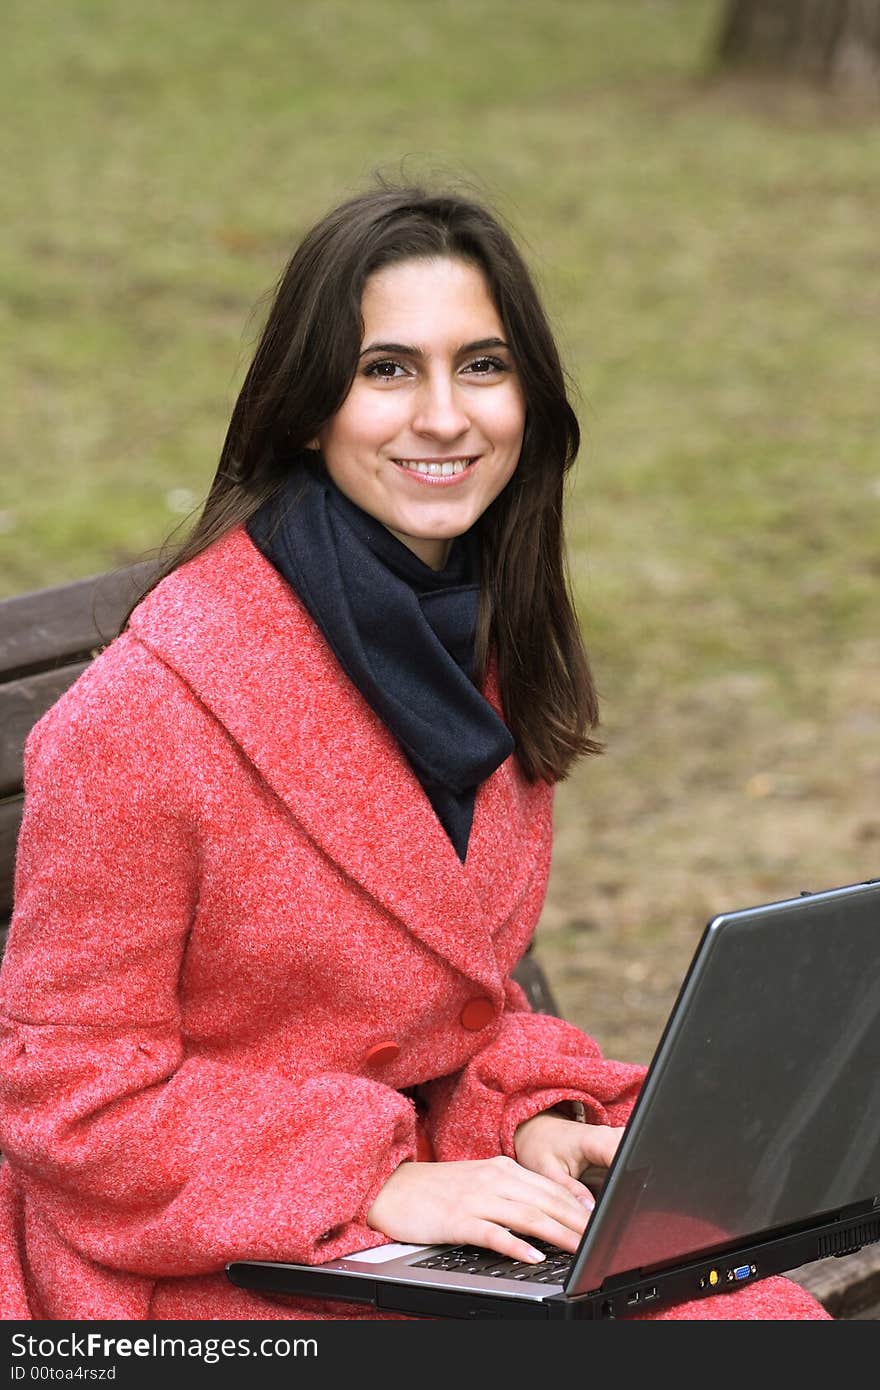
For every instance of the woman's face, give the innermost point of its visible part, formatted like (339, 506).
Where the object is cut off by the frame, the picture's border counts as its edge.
(432, 426)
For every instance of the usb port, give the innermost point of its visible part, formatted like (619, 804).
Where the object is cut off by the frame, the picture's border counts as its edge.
(633, 1298)
(742, 1271)
(649, 1294)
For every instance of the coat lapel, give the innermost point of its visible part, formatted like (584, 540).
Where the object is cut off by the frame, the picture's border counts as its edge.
(230, 626)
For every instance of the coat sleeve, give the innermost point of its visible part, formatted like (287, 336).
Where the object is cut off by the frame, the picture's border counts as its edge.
(533, 1063)
(145, 1155)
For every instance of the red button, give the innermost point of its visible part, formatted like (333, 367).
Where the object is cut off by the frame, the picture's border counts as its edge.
(477, 1013)
(382, 1052)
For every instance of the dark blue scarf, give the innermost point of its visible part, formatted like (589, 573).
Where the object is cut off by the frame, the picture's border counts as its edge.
(402, 632)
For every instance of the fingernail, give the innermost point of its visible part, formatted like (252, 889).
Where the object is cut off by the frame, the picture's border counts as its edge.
(535, 1255)
(588, 1200)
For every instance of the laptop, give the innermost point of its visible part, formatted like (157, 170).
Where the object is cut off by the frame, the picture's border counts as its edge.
(754, 1146)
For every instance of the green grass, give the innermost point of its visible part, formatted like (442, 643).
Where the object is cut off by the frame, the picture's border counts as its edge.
(161, 162)
(709, 253)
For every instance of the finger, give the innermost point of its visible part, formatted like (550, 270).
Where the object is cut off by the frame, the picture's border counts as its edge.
(600, 1144)
(543, 1210)
(490, 1235)
(555, 1187)
(568, 1214)
(555, 1171)
(540, 1225)
(581, 1193)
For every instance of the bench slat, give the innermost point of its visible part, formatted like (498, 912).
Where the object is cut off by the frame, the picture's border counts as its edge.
(847, 1286)
(22, 703)
(531, 978)
(56, 626)
(10, 820)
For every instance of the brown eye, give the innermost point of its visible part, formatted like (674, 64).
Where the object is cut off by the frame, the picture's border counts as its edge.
(386, 370)
(485, 366)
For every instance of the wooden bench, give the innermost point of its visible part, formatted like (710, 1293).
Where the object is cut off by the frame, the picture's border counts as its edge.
(48, 637)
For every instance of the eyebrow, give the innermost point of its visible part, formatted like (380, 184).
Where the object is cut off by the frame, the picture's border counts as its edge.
(407, 350)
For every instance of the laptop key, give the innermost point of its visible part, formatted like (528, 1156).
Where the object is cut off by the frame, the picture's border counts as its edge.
(471, 1260)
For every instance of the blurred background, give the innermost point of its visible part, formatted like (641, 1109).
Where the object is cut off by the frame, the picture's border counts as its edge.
(696, 185)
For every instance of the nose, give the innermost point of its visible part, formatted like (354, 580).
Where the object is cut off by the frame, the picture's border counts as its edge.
(440, 412)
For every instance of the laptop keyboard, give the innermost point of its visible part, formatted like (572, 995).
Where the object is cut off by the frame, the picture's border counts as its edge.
(470, 1259)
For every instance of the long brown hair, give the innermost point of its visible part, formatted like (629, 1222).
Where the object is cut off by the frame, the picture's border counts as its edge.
(304, 364)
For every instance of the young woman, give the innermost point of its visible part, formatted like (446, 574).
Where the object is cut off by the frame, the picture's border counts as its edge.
(288, 836)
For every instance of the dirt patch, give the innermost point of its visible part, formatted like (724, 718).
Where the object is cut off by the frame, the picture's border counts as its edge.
(706, 802)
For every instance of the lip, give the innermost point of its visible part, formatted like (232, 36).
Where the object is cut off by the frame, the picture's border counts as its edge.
(425, 478)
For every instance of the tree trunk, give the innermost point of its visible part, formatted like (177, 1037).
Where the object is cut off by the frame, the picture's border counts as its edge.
(834, 41)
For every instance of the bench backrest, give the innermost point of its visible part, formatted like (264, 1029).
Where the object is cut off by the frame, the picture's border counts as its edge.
(46, 639)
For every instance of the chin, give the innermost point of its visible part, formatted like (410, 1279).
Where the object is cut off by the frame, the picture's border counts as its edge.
(446, 530)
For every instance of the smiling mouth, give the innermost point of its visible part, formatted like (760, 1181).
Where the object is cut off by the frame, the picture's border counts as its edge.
(437, 468)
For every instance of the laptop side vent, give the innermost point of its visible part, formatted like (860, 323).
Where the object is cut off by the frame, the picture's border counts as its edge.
(844, 1242)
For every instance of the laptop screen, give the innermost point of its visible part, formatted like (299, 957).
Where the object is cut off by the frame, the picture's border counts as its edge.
(761, 1108)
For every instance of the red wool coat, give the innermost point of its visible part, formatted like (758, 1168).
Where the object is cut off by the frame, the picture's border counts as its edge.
(241, 940)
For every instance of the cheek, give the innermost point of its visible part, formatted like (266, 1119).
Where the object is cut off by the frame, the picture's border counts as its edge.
(360, 425)
(370, 418)
(505, 419)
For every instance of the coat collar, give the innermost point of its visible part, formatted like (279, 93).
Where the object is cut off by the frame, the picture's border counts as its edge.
(233, 630)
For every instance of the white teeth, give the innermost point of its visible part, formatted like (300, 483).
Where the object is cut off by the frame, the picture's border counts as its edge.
(435, 470)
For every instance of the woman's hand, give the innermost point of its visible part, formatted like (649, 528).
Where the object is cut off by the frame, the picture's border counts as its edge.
(480, 1202)
(560, 1149)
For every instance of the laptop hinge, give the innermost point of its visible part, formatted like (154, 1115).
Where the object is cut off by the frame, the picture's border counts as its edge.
(616, 1281)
